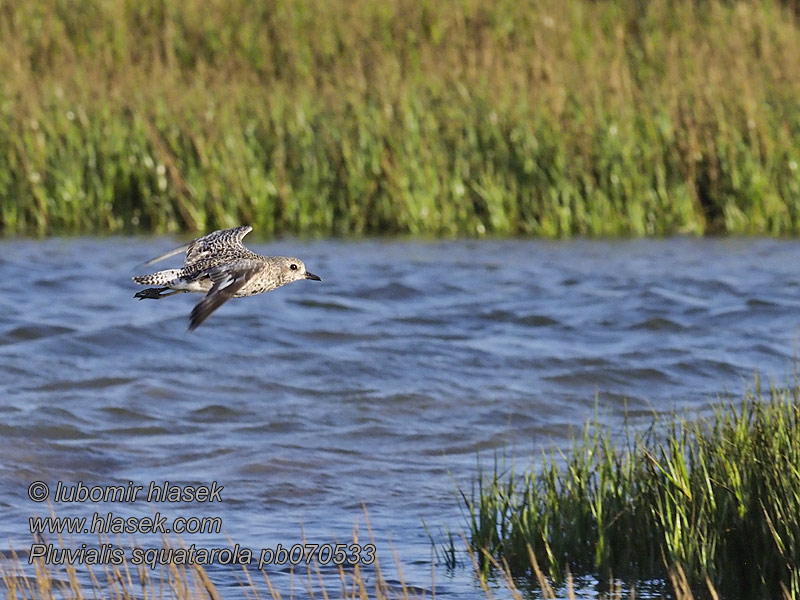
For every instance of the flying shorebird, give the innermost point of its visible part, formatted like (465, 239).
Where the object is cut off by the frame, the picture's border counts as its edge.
(219, 266)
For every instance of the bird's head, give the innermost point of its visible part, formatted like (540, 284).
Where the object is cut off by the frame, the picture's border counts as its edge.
(292, 269)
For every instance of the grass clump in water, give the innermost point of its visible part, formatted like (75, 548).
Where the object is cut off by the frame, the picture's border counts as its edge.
(354, 117)
(715, 499)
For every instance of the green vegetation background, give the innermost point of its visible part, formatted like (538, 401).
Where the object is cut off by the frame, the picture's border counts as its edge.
(422, 117)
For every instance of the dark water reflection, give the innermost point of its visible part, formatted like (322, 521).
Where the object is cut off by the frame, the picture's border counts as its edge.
(378, 386)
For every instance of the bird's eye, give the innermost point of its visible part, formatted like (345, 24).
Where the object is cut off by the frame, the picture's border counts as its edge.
(293, 267)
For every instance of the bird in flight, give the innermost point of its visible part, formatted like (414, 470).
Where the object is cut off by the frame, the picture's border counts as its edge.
(220, 266)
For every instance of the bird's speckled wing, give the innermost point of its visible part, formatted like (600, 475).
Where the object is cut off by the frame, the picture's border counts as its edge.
(216, 248)
(228, 279)
(224, 241)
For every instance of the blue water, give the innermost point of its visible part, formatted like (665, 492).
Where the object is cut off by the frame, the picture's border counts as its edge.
(378, 389)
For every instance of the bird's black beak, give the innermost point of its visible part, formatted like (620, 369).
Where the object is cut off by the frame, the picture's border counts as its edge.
(312, 276)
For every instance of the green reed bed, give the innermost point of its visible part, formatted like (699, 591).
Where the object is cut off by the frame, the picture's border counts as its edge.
(716, 498)
(352, 117)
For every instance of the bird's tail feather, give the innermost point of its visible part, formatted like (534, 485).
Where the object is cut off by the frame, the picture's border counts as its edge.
(158, 278)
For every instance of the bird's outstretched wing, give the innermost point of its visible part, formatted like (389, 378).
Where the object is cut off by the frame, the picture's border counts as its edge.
(218, 243)
(198, 249)
(228, 279)
(172, 252)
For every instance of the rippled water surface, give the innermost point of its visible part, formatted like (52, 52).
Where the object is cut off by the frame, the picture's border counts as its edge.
(378, 387)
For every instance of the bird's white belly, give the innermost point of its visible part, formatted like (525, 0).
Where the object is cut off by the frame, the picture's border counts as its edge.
(198, 285)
